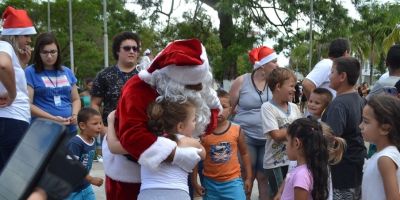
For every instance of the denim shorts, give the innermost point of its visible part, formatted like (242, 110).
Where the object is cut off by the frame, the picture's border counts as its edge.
(85, 194)
(256, 149)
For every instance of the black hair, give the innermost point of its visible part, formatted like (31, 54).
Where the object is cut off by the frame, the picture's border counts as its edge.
(315, 149)
(393, 57)
(349, 65)
(325, 92)
(386, 109)
(119, 38)
(86, 113)
(338, 47)
(397, 85)
(41, 41)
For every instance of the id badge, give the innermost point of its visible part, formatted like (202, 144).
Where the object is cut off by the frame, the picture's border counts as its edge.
(57, 100)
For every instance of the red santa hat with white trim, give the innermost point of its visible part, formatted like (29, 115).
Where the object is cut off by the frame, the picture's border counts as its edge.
(17, 22)
(262, 55)
(184, 61)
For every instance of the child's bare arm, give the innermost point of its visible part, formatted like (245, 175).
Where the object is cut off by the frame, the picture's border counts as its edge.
(387, 169)
(197, 187)
(246, 162)
(94, 180)
(191, 142)
(112, 141)
(278, 135)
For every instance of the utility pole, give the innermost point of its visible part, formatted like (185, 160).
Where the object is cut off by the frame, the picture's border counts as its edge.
(311, 29)
(48, 16)
(105, 33)
(71, 43)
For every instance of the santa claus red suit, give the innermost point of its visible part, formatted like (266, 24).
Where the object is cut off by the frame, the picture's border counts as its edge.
(172, 74)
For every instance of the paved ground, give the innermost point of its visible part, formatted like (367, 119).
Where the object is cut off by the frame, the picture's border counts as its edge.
(97, 171)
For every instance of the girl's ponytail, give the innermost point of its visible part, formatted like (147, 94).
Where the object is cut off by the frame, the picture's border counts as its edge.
(336, 145)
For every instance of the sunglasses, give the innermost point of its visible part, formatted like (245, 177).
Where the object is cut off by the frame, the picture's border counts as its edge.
(128, 48)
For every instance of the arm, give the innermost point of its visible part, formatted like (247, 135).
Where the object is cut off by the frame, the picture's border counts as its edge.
(36, 111)
(278, 194)
(95, 102)
(76, 104)
(246, 162)
(113, 143)
(196, 186)
(387, 169)
(7, 78)
(94, 180)
(234, 93)
(308, 87)
(278, 135)
(191, 142)
(300, 193)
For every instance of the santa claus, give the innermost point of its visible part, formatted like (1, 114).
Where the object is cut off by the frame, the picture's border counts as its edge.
(181, 70)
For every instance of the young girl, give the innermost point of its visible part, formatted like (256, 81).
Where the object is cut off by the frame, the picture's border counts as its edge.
(380, 126)
(174, 120)
(313, 151)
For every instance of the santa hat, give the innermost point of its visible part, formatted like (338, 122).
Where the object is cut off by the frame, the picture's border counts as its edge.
(17, 22)
(261, 55)
(184, 61)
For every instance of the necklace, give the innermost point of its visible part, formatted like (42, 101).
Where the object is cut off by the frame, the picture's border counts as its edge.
(259, 92)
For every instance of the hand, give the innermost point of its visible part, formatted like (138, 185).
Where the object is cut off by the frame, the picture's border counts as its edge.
(73, 119)
(277, 196)
(25, 55)
(199, 189)
(248, 186)
(188, 142)
(5, 100)
(96, 181)
(62, 120)
(186, 157)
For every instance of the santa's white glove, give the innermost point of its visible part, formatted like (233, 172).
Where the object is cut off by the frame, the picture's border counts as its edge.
(186, 158)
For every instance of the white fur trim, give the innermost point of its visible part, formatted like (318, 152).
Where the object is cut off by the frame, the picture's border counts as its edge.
(265, 60)
(118, 167)
(157, 153)
(19, 31)
(145, 76)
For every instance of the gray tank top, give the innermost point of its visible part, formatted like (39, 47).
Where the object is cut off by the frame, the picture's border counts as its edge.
(248, 111)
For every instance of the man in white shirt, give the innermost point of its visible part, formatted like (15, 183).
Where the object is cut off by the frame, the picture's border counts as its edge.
(319, 76)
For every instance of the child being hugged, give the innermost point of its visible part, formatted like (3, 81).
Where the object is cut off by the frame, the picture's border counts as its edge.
(276, 116)
(175, 120)
(380, 126)
(83, 147)
(221, 173)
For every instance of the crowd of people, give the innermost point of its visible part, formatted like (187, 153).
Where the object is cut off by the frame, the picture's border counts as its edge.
(162, 125)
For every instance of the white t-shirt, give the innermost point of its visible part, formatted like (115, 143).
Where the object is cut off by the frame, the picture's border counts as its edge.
(379, 86)
(372, 184)
(20, 108)
(319, 75)
(274, 118)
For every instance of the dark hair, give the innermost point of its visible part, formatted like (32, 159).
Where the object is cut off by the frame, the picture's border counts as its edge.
(165, 115)
(119, 38)
(349, 65)
(86, 113)
(280, 75)
(325, 92)
(387, 111)
(393, 57)
(338, 47)
(88, 80)
(222, 93)
(397, 85)
(315, 149)
(41, 41)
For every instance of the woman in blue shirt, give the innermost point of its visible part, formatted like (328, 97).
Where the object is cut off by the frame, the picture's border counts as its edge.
(52, 88)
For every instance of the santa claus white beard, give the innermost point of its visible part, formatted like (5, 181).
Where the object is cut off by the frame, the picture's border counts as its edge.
(174, 91)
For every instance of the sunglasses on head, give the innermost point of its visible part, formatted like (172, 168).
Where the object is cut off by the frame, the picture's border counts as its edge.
(128, 48)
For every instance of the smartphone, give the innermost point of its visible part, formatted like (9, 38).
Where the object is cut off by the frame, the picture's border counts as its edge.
(26, 165)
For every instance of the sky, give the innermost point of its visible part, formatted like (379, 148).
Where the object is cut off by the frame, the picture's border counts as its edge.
(181, 6)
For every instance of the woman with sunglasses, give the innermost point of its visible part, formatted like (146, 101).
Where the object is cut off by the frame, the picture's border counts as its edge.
(52, 89)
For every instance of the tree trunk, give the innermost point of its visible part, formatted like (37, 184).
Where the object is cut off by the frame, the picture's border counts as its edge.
(371, 61)
(227, 35)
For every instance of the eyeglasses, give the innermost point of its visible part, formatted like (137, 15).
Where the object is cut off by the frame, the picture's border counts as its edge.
(128, 48)
(51, 52)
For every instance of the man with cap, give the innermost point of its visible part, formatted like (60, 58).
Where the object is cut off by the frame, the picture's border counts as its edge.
(248, 92)
(15, 53)
(179, 71)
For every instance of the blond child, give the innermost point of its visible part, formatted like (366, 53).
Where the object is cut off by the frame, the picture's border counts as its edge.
(83, 147)
(276, 116)
(222, 171)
